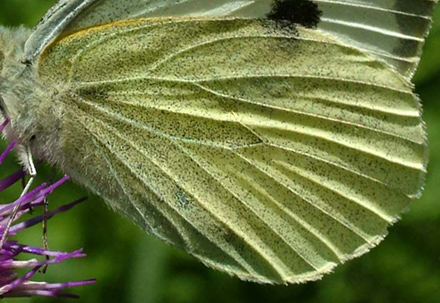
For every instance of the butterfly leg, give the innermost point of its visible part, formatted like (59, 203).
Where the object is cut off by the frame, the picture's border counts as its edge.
(29, 165)
(45, 211)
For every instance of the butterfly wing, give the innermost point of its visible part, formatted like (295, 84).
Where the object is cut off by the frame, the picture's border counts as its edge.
(392, 31)
(269, 153)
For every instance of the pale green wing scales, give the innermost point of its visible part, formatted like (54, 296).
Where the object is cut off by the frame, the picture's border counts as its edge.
(268, 153)
(391, 30)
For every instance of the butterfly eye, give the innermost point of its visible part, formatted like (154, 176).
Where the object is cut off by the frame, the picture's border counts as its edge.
(3, 107)
(26, 62)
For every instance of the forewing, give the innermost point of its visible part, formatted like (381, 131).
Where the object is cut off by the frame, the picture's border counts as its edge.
(266, 152)
(391, 30)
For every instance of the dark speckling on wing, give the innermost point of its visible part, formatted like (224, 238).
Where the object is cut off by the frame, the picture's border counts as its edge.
(267, 153)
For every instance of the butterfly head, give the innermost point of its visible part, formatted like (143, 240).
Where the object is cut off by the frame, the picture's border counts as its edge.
(20, 90)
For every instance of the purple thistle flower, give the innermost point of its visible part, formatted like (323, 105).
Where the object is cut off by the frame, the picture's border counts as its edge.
(11, 284)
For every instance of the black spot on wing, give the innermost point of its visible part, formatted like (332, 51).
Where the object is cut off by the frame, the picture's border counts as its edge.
(303, 12)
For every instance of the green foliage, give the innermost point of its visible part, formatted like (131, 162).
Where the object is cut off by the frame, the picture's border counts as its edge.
(133, 267)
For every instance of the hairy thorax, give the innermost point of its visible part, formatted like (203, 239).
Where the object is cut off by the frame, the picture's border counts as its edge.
(34, 113)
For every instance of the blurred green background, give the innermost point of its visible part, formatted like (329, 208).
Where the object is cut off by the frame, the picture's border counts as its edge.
(133, 267)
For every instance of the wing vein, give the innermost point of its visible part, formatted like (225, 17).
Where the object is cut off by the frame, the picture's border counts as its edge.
(238, 77)
(349, 226)
(374, 29)
(234, 230)
(375, 8)
(309, 114)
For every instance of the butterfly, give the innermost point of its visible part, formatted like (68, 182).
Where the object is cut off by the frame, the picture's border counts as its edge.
(271, 139)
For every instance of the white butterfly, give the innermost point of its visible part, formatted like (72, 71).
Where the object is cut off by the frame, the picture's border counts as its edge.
(270, 139)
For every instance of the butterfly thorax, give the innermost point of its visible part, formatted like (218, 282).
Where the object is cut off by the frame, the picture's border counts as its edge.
(24, 99)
